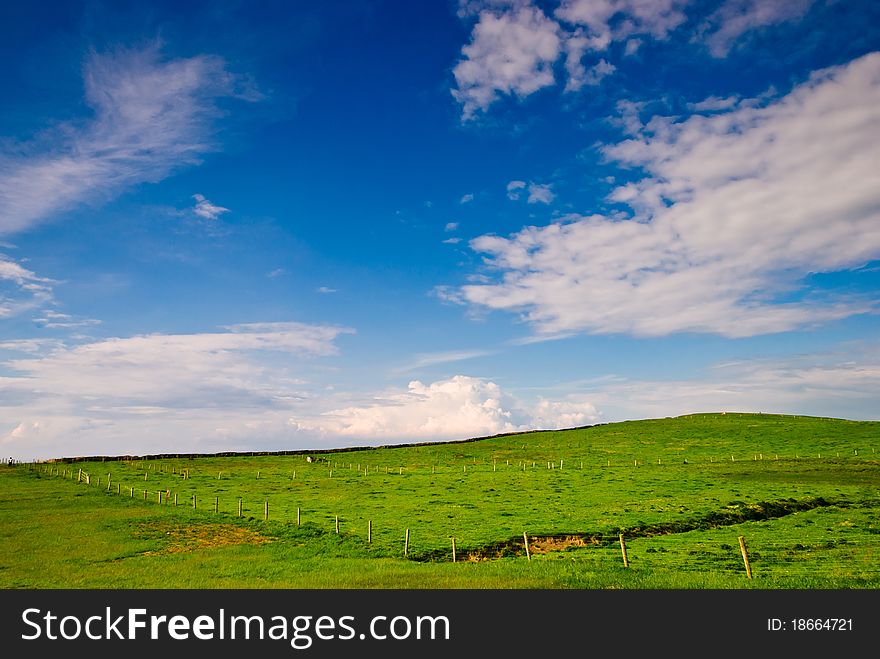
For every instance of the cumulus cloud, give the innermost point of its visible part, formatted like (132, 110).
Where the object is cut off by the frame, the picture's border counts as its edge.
(736, 17)
(735, 210)
(151, 116)
(206, 210)
(451, 226)
(457, 408)
(510, 53)
(514, 46)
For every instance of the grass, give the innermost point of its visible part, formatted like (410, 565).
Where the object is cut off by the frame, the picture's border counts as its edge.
(802, 490)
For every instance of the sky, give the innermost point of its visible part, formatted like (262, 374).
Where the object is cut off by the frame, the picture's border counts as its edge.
(272, 225)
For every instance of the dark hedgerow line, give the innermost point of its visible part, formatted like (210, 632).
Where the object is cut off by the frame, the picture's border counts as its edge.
(730, 516)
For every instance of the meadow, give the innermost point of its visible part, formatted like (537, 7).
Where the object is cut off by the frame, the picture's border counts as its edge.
(802, 492)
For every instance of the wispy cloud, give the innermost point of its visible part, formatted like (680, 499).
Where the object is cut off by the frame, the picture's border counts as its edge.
(451, 226)
(838, 383)
(540, 193)
(57, 320)
(150, 392)
(206, 210)
(151, 117)
(326, 290)
(466, 199)
(537, 192)
(736, 208)
(433, 358)
(514, 189)
(734, 18)
(605, 21)
(21, 290)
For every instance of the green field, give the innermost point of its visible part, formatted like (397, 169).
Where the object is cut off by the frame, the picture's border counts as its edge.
(803, 492)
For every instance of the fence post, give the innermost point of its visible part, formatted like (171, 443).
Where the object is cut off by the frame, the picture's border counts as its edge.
(369, 531)
(745, 554)
(453, 550)
(526, 543)
(623, 551)
(266, 512)
(337, 525)
(406, 544)
(239, 506)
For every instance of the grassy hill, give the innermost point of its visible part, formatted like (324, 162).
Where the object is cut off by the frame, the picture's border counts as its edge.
(803, 491)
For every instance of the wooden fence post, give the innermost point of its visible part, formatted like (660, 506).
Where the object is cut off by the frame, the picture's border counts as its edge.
(453, 550)
(623, 551)
(369, 531)
(745, 554)
(337, 525)
(216, 504)
(406, 544)
(526, 543)
(239, 506)
(266, 512)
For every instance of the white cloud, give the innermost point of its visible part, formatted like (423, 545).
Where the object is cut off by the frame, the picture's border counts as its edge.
(736, 17)
(159, 392)
(326, 290)
(515, 46)
(578, 76)
(514, 188)
(452, 241)
(433, 358)
(451, 226)
(540, 193)
(615, 20)
(57, 320)
(466, 199)
(277, 272)
(714, 103)
(735, 210)
(457, 408)
(152, 116)
(844, 383)
(510, 53)
(21, 289)
(206, 210)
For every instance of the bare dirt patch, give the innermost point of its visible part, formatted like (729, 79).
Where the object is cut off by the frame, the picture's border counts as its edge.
(178, 539)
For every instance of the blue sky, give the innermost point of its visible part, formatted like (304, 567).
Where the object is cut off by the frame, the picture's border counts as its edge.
(266, 225)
